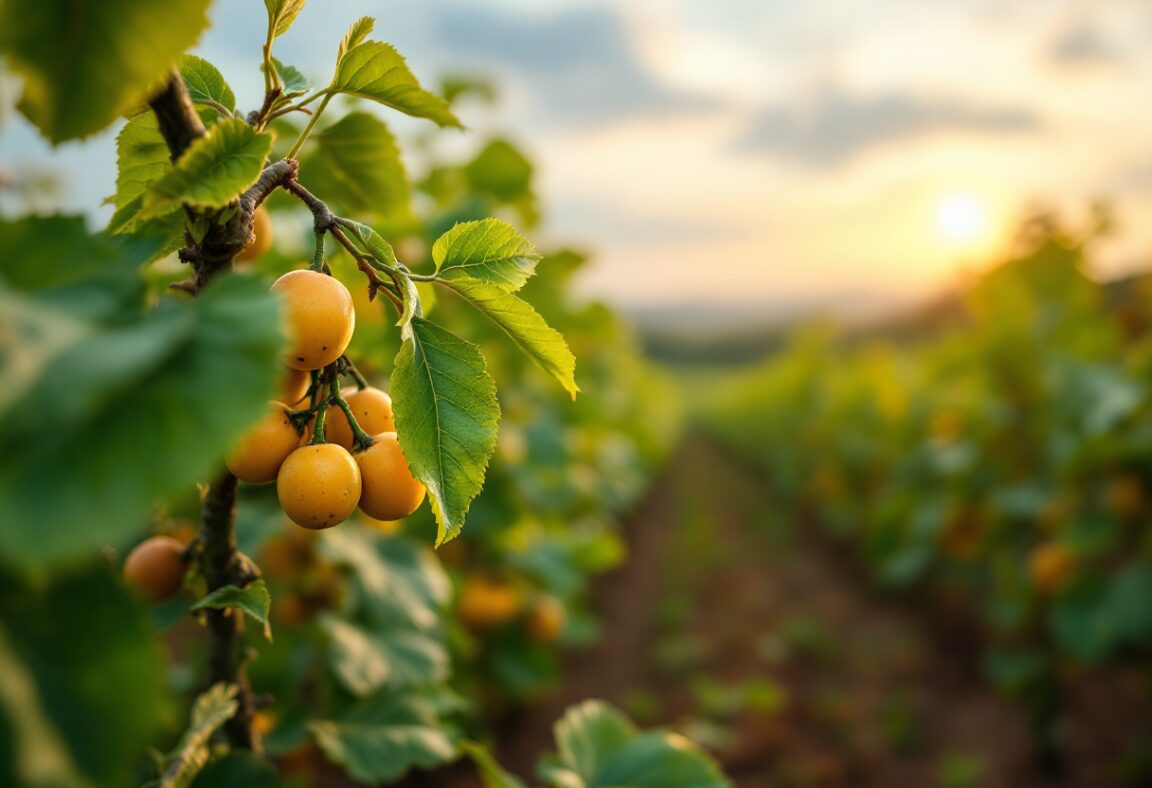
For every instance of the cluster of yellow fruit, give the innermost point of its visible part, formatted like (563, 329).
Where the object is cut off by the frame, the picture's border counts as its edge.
(320, 484)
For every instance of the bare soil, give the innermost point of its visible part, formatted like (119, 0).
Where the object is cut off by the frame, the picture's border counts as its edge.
(739, 625)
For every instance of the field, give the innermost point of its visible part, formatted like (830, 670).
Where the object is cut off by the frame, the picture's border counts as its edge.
(327, 462)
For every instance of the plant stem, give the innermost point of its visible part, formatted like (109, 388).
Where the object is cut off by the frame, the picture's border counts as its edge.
(308, 129)
(220, 562)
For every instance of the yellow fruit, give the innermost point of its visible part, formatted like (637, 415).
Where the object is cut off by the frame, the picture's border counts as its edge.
(261, 237)
(486, 604)
(1124, 496)
(372, 409)
(546, 619)
(260, 453)
(1051, 567)
(155, 568)
(294, 387)
(319, 485)
(390, 491)
(320, 318)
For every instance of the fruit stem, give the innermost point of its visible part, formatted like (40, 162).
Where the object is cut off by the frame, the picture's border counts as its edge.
(361, 381)
(361, 439)
(318, 255)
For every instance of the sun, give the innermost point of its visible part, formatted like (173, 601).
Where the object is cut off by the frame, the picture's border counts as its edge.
(962, 219)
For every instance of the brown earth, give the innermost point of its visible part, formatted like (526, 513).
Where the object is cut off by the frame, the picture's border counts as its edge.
(745, 630)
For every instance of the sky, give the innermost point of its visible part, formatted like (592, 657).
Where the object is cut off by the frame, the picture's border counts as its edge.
(752, 154)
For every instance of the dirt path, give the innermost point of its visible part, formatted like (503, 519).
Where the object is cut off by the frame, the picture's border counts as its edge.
(750, 636)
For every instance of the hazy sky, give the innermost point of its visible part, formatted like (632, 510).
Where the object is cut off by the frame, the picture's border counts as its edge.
(759, 151)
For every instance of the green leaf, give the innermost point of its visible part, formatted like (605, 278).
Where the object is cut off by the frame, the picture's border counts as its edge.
(214, 170)
(447, 417)
(371, 243)
(51, 695)
(356, 34)
(55, 259)
(398, 581)
(205, 82)
(516, 318)
(139, 410)
(500, 170)
(492, 775)
(381, 738)
(212, 708)
(412, 302)
(141, 160)
(253, 600)
(365, 661)
(87, 62)
(376, 71)
(489, 250)
(600, 747)
(238, 769)
(294, 82)
(281, 15)
(356, 164)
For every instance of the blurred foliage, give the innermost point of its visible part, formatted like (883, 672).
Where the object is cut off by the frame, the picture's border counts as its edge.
(1001, 461)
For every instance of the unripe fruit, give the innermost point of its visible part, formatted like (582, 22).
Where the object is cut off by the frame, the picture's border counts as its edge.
(546, 619)
(320, 318)
(294, 385)
(390, 491)
(261, 237)
(155, 568)
(260, 453)
(1052, 566)
(486, 604)
(319, 485)
(372, 409)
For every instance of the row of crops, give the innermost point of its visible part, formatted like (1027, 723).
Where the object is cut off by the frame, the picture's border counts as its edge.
(996, 457)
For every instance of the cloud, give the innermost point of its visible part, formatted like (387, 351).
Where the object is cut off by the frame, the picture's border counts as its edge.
(835, 126)
(579, 66)
(1083, 45)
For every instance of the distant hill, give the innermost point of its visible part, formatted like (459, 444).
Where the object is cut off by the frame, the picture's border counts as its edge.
(715, 335)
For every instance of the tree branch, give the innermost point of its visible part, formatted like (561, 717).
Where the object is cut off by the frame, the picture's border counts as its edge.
(220, 562)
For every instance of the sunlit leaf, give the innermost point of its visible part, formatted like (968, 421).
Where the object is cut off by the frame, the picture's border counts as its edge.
(356, 34)
(205, 82)
(489, 250)
(446, 418)
(376, 71)
(214, 169)
(253, 600)
(356, 164)
(281, 15)
(524, 326)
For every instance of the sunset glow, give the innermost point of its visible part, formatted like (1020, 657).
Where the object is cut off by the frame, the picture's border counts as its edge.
(962, 219)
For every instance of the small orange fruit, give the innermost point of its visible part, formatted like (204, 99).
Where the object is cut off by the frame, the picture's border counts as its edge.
(155, 568)
(320, 318)
(261, 237)
(372, 409)
(390, 491)
(260, 453)
(319, 485)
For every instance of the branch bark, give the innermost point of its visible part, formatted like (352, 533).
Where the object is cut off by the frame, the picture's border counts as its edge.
(220, 562)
